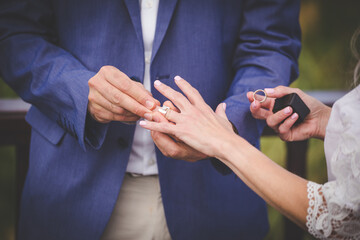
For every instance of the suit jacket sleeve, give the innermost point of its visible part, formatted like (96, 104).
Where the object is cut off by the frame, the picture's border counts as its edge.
(42, 73)
(266, 56)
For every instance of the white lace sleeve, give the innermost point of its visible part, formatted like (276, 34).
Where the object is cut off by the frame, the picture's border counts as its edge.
(334, 208)
(329, 215)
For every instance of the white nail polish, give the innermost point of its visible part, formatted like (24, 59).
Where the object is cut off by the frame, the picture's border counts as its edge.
(287, 110)
(157, 83)
(142, 123)
(177, 78)
(149, 104)
(294, 116)
(148, 116)
(269, 90)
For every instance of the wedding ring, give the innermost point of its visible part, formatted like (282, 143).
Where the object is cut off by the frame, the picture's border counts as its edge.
(164, 110)
(260, 98)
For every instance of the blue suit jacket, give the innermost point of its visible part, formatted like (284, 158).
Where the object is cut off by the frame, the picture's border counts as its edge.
(50, 49)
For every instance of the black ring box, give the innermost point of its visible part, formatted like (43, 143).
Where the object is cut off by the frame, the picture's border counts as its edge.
(294, 101)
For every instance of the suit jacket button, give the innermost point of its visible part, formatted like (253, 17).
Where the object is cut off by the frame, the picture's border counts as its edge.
(122, 143)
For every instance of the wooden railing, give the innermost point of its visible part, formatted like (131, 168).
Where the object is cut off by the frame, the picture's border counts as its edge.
(15, 131)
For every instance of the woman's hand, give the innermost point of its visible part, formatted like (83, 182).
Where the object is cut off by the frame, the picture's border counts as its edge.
(171, 146)
(196, 124)
(283, 121)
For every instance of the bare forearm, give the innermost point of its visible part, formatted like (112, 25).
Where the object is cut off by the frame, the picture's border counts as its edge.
(281, 189)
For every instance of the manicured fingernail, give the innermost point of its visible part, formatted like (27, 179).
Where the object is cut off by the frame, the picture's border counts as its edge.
(177, 78)
(295, 115)
(149, 104)
(287, 110)
(269, 90)
(142, 123)
(157, 83)
(148, 116)
(224, 106)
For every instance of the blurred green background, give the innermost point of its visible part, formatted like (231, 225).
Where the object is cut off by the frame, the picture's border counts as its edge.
(326, 63)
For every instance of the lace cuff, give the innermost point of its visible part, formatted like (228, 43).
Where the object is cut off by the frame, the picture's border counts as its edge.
(330, 220)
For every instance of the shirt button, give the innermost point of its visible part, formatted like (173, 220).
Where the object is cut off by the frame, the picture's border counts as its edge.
(152, 161)
(149, 4)
(147, 60)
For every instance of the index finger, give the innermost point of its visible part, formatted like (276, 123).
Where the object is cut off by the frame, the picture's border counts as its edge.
(281, 91)
(190, 92)
(129, 87)
(268, 103)
(177, 98)
(258, 112)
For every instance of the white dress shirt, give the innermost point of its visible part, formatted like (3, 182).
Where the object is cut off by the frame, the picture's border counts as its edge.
(142, 157)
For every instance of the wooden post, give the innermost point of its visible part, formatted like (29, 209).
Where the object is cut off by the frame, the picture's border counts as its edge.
(296, 163)
(14, 130)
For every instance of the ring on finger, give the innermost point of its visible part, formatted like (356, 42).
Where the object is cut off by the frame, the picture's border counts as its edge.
(165, 110)
(264, 97)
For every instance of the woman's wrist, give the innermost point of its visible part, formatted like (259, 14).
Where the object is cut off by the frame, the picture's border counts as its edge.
(227, 145)
(322, 123)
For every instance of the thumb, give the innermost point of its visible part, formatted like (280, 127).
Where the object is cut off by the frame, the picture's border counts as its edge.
(220, 110)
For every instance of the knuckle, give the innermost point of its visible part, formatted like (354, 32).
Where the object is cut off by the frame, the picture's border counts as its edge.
(154, 136)
(108, 71)
(94, 82)
(142, 99)
(177, 95)
(297, 90)
(106, 68)
(102, 120)
(113, 108)
(98, 113)
(125, 85)
(173, 152)
(116, 97)
(93, 110)
(195, 91)
(103, 70)
(106, 115)
(282, 130)
(119, 110)
(91, 97)
(280, 88)
(119, 118)
(137, 111)
(269, 122)
(166, 154)
(91, 82)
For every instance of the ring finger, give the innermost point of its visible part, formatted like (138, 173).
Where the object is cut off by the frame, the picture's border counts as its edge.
(171, 115)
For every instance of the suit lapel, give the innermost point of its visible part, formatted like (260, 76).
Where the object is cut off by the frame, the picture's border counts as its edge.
(165, 12)
(134, 12)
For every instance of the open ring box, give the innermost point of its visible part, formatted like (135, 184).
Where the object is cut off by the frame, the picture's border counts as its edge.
(294, 101)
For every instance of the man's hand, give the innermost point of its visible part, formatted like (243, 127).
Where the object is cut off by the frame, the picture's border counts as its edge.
(113, 96)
